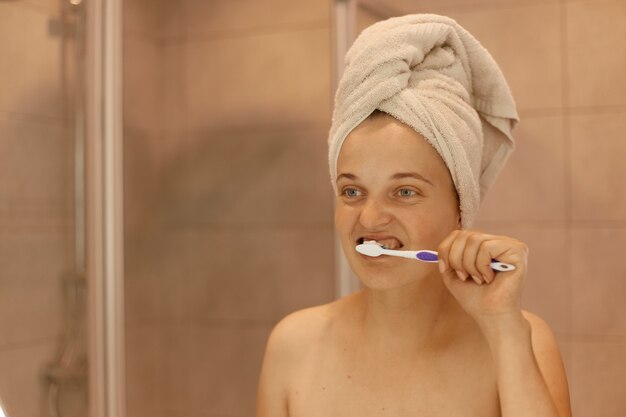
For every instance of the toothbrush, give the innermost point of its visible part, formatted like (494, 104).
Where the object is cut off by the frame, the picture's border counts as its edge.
(372, 248)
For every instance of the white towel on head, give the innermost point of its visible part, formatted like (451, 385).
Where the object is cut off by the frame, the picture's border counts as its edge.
(430, 73)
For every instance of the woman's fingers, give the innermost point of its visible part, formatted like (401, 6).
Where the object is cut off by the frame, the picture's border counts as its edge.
(455, 253)
(467, 254)
(444, 249)
(472, 251)
(483, 262)
(506, 249)
(455, 256)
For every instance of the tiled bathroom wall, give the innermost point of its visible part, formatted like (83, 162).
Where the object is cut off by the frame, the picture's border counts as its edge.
(36, 199)
(229, 212)
(228, 202)
(563, 189)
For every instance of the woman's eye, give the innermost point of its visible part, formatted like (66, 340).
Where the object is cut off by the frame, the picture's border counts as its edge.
(351, 192)
(405, 192)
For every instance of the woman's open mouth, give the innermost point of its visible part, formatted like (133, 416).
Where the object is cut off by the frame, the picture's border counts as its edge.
(387, 242)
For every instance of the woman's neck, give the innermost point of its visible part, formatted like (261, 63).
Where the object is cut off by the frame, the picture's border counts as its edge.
(409, 319)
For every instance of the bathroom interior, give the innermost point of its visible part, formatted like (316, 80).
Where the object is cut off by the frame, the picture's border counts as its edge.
(165, 199)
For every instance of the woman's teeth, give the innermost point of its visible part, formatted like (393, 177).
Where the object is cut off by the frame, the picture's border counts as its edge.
(389, 243)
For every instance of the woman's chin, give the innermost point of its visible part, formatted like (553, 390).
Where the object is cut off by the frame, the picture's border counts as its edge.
(387, 280)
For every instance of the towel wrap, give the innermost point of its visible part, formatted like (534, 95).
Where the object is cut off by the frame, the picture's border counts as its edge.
(431, 74)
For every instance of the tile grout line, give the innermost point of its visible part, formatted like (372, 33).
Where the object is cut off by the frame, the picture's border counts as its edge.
(484, 5)
(591, 338)
(567, 150)
(561, 225)
(572, 110)
(34, 7)
(27, 344)
(21, 117)
(233, 34)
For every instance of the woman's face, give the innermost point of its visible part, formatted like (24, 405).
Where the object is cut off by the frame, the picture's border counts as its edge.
(394, 188)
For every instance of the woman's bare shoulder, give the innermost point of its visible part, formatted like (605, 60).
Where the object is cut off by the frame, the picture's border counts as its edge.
(541, 331)
(292, 341)
(300, 325)
(300, 330)
(550, 361)
(543, 338)
(303, 326)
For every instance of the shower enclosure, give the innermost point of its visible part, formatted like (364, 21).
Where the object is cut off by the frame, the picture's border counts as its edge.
(227, 203)
(58, 226)
(43, 349)
(144, 146)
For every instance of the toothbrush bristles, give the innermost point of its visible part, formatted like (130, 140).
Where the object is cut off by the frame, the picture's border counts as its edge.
(373, 242)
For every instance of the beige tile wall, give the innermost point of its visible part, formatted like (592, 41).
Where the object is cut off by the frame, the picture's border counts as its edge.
(563, 190)
(36, 201)
(228, 202)
(199, 119)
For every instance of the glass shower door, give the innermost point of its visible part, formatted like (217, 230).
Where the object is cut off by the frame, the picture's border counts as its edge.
(43, 355)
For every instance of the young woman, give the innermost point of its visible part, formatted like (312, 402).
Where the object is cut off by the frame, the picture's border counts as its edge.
(419, 339)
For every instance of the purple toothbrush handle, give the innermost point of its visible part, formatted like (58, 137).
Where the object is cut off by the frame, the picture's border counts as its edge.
(429, 256)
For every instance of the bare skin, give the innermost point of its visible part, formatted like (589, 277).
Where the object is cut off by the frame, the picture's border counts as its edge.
(418, 339)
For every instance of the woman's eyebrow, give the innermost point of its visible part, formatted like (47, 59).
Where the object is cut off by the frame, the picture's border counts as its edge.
(415, 175)
(347, 176)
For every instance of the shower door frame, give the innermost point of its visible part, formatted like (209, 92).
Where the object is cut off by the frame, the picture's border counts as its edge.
(104, 220)
(104, 249)
(344, 34)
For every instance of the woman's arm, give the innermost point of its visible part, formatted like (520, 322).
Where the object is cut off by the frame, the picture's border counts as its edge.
(530, 375)
(272, 389)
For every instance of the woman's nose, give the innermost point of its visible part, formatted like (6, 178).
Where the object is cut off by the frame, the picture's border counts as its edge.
(374, 215)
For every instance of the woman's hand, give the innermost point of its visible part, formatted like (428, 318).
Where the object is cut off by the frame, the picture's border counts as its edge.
(485, 294)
